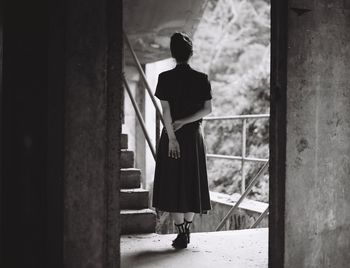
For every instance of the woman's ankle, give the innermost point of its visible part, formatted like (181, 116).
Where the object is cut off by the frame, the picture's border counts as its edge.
(180, 227)
(187, 224)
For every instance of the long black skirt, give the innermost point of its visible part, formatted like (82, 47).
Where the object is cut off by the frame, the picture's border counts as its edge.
(181, 185)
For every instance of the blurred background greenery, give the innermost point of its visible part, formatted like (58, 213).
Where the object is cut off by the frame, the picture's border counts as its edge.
(232, 45)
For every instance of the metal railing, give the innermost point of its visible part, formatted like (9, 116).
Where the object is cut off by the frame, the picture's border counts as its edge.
(164, 216)
(244, 195)
(139, 117)
(143, 76)
(150, 93)
(242, 158)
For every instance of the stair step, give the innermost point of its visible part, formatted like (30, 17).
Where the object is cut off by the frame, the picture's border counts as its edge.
(127, 159)
(134, 198)
(130, 178)
(124, 141)
(138, 221)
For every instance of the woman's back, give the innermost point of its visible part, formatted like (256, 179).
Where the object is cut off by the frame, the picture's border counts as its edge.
(180, 178)
(185, 89)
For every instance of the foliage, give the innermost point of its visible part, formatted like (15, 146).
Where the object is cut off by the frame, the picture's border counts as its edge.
(232, 45)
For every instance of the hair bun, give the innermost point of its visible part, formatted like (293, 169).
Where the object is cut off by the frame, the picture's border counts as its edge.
(181, 37)
(181, 46)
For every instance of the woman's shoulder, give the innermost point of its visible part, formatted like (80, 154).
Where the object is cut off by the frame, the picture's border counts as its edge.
(166, 73)
(199, 74)
(193, 72)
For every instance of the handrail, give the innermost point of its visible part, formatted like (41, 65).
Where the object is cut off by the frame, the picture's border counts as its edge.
(261, 217)
(139, 117)
(246, 192)
(233, 157)
(243, 157)
(235, 117)
(138, 113)
(143, 76)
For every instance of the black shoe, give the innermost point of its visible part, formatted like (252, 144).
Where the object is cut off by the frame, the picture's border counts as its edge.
(180, 241)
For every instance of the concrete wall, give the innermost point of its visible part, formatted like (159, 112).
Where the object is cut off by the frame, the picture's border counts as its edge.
(60, 122)
(317, 212)
(93, 98)
(150, 23)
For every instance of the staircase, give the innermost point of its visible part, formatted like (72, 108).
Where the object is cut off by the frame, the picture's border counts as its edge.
(136, 216)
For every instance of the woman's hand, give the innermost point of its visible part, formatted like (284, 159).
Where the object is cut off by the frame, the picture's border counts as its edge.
(174, 149)
(177, 125)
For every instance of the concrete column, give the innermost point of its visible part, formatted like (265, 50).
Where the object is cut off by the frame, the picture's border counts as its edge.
(92, 133)
(317, 201)
(60, 121)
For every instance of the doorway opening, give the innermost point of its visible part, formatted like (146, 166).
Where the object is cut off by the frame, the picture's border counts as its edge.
(232, 42)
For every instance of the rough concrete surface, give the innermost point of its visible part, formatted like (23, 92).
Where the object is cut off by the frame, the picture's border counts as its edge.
(92, 133)
(150, 23)
(317, 229)
(234, 249)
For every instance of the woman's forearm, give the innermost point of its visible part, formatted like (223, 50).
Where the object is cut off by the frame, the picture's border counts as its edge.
(168, 124)
(167, 119)
(196, 116)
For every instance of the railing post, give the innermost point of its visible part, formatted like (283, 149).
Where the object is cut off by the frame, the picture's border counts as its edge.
(244, 141)
(157, 130)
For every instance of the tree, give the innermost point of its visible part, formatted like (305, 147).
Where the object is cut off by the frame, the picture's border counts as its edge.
(232, 45)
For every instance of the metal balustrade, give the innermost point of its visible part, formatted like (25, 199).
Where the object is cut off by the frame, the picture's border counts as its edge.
(243, 158)
(244, 195)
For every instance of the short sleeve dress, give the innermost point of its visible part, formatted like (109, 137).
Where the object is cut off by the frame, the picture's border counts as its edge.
(181, 185)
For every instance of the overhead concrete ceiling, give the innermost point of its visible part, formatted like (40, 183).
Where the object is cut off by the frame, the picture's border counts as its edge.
(150, 23)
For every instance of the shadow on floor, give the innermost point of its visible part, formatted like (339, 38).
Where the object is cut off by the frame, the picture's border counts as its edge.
(236, 249)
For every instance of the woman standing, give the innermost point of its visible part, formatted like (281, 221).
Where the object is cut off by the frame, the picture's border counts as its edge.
(180, 182)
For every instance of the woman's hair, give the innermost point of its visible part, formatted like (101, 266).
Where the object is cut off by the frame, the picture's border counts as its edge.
(181, 47)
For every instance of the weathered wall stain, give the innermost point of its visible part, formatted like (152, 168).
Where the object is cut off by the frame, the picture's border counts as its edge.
(302, 145)
(300, 11)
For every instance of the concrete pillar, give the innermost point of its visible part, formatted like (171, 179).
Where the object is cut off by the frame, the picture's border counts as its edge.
(60, 121)
(317, 200)
(92, 133)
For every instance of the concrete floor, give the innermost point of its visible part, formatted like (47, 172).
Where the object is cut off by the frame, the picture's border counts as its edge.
(235, 249)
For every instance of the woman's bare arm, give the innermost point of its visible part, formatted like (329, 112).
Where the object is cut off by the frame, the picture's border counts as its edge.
(207, 108)
(174, 148)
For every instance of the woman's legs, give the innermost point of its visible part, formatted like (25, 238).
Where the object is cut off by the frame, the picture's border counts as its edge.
(178, 217)
(189, 216)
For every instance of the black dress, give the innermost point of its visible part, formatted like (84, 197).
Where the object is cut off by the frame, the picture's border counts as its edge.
(181, 185)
